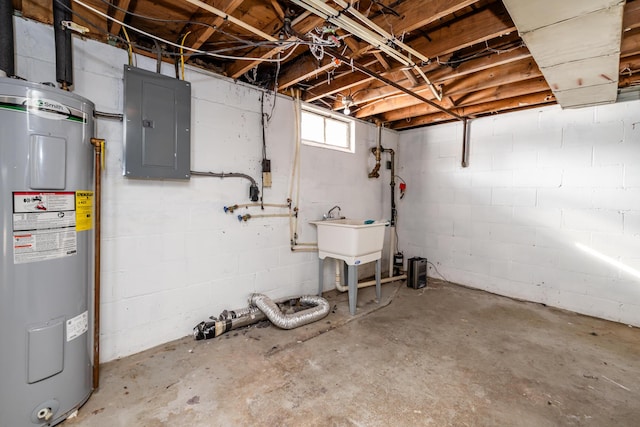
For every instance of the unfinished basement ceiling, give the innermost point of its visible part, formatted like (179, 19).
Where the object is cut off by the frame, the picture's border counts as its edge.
(576, 44)
(470, 51)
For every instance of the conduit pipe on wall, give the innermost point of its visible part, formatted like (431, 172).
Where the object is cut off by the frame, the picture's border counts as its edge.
(295, 182)
(465, 144)
(7, 53)
(98, 147)
(254, 191)
(318, 310)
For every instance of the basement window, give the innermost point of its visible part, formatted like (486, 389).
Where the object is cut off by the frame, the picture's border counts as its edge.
(328, 130)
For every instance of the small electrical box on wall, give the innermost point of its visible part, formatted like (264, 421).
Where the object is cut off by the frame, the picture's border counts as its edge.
(157, 122)
(417, 274)
(266, 173)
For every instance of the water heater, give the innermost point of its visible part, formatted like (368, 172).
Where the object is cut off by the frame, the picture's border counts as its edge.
(46, 263)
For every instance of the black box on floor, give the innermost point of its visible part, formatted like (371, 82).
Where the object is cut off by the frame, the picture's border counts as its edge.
(417, 274)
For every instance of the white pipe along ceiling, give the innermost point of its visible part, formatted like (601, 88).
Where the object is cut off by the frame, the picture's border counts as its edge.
(576, 44)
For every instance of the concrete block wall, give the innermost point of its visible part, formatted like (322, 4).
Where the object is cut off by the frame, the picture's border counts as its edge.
(171, 256)
(547, 211)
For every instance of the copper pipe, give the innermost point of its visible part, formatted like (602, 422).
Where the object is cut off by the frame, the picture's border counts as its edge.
(375, 172)
(97, 146)
(377, 152)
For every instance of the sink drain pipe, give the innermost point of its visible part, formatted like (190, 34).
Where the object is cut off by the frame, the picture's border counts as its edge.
(318, 310)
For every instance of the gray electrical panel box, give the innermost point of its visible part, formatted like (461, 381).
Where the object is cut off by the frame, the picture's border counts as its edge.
(157, 121)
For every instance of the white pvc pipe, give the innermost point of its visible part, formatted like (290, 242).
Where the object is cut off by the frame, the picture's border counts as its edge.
(368, 283)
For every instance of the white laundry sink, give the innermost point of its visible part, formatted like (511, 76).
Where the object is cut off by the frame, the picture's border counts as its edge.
(355, 241)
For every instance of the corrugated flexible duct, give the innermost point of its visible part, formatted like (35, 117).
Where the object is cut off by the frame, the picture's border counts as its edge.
(320, 308)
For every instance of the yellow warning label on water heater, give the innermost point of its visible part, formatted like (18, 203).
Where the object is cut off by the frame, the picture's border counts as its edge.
(84, 210)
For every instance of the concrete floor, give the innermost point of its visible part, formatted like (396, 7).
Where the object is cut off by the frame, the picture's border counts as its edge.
(441, 356)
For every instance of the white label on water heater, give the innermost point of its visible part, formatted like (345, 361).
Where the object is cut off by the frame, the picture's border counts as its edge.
(43, 226)
(77, 326)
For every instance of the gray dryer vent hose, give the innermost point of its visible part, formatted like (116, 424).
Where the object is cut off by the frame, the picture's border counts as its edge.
(320, 308)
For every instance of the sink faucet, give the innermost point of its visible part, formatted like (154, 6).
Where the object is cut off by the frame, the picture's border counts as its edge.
(329, 215)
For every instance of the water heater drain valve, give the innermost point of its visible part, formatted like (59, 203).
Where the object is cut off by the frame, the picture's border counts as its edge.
(45, 414)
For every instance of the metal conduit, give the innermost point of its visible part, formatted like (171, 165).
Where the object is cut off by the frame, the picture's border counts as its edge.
(370, 73)
(320, 308)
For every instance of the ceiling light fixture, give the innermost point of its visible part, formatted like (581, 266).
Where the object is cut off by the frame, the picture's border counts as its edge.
(347, 101)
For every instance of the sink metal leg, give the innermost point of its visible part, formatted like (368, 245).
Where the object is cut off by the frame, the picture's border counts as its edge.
(353, 288)
(378, 287)
(321, 276)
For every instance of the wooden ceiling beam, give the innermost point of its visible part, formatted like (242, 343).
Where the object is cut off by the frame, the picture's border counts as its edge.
(240, 67)
(411, 77)
(381, 59)
(347, 81)
(440, 74)
(278, 9)
(630, 43)
(417, 14)
(630, 65)
(485, 25)
(513, 72)
(631, 17)
(528, 101)
(496, 93)
(39, 10)
(202, 34)
(486, 19)
(93, 20)
(507, 89)
(629, 80)
(120, 14)
(444, 73)
(510, 73)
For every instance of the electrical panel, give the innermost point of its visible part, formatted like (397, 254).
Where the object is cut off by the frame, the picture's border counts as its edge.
(157, 121)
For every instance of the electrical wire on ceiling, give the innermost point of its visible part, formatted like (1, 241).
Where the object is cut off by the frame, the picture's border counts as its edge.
(369, 32)
(245, 43)
(282, 44)
(485, 52)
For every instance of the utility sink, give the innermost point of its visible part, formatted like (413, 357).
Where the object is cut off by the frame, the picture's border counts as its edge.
(355, 241)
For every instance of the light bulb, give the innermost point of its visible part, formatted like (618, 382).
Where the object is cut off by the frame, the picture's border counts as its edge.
(347, 101)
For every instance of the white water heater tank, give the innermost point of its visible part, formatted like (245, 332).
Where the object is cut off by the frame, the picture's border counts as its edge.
(46, 263)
